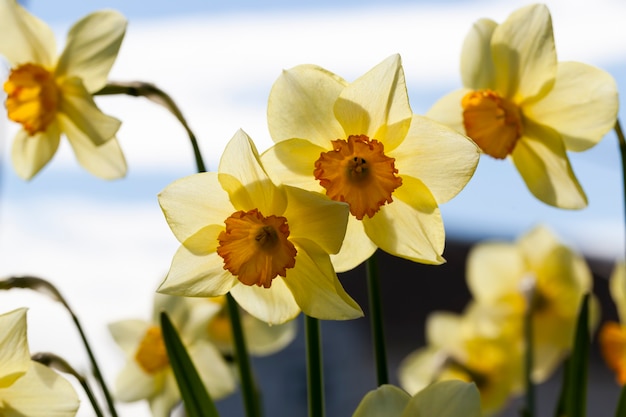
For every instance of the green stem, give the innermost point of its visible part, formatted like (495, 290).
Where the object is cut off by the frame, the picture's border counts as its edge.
(376, 320)
(315, 372)
(248, 386)
(529, 410)
(155, 94)
(622, 148)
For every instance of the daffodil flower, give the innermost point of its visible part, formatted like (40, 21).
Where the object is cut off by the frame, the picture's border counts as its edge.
(481, 345)
(50, 95)
(148, 375)
(28, 388)
(267, 245)
(360, 143)
(517, 101)
(441, 399)
(539, 273)
(612, 335)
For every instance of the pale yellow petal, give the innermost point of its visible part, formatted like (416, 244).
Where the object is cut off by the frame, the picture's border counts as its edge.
(14, 353)
(91, 48)
(274, 305)
(538, 245)
(194, 202)
(161, 405)
(316, 217)
(83, 118)
(263, 339)
(443, 330)
(446, 399)
(25, 38)
(315, 285)
(409, 227)
(617, 286)
(301, 103)
(41, 392)
(240, 160)
(128, 334)
(292, 162)
(582, 106)
(216, 375)
(133, 384)
(524, 54)
(448, 110)
(377, 104)
(441, 158)
(357, 247)
(384, 401)
(205, 240)
(477, 67)
(31, 153)
(191, 275)
(541, 160)
(420, 368)
(106, 161)
(494, 270)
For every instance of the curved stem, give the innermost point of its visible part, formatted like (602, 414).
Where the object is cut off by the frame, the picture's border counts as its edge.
(314, 367)
(155, 94)
(376, 320)
(248, 386)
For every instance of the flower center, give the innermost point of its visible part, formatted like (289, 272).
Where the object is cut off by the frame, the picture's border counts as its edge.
(493, 122)
(32, 97)
(151, 354)
(358, 172)
(255, 248)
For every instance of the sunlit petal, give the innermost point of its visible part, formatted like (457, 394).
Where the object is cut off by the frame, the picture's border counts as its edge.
(384, 401)
(105, 161)
(445, 399)
(357, 247)
(477, 68)
(128, 333)
(494, 270)
(448, 110)
(31, 153)
(274, 305)
(14, 353)
(292, 162)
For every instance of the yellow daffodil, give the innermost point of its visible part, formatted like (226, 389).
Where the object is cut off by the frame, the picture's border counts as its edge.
(536, 272)
(28, 388)
(262, 339)
(50, 95)
(517, 101)
(479, 346)
(441, 399)
(360, 143)
(612, 336)
(148, 375)
(267, 245)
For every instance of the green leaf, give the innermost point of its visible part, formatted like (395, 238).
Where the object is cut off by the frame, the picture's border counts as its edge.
(197, 401)
(621, 405)
(573, 399)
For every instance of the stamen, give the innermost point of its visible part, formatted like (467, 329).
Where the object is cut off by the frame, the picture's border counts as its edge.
(32, 97)
(358, 172)
(493, 122)
(255, 248)
(151, 354)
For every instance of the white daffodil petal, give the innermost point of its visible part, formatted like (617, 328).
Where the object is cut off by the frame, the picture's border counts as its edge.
(448, 110)
(31, 153)
(477, 68)
(241, 161)
(91, 48)
(197, 276)
(356, 248)
(441, 158)
(133, 384)
(316, 217)
(274, 305)
(377, 104)
(541, 160)
(524, 54)
(128, 334)
(161, 405)
(582, 106)
(14, 353)
(409, 227)
(83, 118)
(191, 203)
(26, 38)
(106, 161)
(301, 103)
(384, 401)
(40, 392)
(315, 285)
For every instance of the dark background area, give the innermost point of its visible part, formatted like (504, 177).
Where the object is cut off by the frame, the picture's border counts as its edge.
(410, 292)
